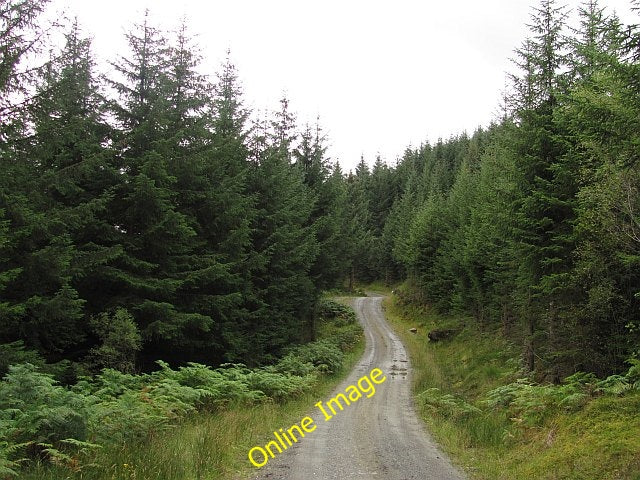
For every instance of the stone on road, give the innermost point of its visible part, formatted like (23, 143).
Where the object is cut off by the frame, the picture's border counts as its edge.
(374, 438)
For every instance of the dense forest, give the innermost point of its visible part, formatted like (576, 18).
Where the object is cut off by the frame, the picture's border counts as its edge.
(146, 214)
(534, 222)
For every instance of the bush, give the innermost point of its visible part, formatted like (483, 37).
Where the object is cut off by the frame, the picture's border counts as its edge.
(530, 403)
(277, 385)
(324, 355)
(35, 410)
(15, 353)
(120, 341)
(293, 365)
(339, 313)
(619, 384)
(346, 338)
(40, 417)
(9, 460)
(445, 404)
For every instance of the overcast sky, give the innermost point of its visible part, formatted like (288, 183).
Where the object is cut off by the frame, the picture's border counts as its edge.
(382, 75)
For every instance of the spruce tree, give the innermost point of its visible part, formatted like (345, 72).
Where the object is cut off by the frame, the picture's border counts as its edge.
(72, 172)
(359, 231)
(284, 243)
(329, 206)
(225, 212)
(158, 240)
(544, 213)
(21, 42)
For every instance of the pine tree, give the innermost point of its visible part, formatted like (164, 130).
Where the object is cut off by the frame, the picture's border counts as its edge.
(328, 213)
(157, 239)
(359, 225)
(73, 173)
(225, 211)
(284, 243)
(489, 256)
(597, 39)
(601, 119)
(21, 40)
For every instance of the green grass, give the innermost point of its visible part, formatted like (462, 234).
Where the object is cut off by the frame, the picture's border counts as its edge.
(360, 289)
(600, 441)
(207, 446)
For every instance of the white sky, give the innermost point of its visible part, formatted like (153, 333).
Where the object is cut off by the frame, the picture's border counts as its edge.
(382, 75)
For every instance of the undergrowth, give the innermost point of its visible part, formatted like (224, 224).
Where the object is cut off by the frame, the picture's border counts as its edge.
(499, 424)
(117, 425)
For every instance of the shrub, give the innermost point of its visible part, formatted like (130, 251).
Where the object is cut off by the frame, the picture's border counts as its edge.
(332, 310)
(15, 353)
(35, 410)
(9, 460)
(277, 385)
(445, 404)
(346, 338)
(128, 417)
(120, 341)
(38, 416)
(619, 384)
(110, 383)
(530, 403)
(293, 365)
(324, 355)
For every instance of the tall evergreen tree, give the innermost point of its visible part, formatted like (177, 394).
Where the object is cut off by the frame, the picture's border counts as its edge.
(359, 223)
(158, 240)
(225, 213)
(21, 40)
(284, 242)
(329, 206)
(545, 211)
(73, 175)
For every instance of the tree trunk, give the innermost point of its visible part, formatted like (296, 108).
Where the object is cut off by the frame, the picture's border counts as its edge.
(352, 275)
(554, 343)
(529, 347)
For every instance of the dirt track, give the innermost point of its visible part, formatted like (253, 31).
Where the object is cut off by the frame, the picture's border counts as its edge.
(379, 437)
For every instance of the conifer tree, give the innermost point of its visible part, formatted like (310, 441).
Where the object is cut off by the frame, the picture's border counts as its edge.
(600, 119)
(21, 42)
(225, 211)
(329, 203)
(157, 239)
(284, 243)
(544, 212)
(73, 175)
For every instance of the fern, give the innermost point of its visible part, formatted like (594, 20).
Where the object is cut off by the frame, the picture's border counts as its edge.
(340, 314)
(10, 460)
(633, 375)
(62, 424)
(446, 404)
(39, 410)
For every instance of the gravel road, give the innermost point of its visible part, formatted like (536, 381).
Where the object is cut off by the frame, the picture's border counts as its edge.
(374, 438)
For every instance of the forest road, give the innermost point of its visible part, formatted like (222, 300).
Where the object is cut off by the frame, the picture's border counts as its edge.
(380, 437)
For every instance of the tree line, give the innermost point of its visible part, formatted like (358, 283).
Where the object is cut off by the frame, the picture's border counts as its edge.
(533, 223)
(146, 214)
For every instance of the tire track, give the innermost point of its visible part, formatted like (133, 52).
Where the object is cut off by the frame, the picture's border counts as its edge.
(374, 438)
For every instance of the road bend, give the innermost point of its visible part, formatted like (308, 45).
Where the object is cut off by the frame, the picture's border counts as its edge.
(380, 437)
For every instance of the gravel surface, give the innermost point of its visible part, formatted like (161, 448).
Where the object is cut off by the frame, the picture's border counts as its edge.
(379, 437)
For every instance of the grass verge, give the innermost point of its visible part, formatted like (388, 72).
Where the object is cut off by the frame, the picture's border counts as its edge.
(206, 445)
(595, 438)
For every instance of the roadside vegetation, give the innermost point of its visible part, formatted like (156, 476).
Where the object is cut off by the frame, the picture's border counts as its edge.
(185, 423)
(163, 251)
(498, 423)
